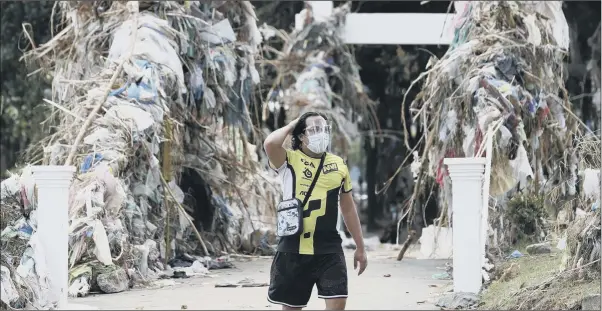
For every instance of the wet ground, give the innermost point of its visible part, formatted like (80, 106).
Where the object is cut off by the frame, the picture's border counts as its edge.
(385, 285)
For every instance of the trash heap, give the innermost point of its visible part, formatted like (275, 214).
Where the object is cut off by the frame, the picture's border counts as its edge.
(167, 86)
(501, 77)
(582, 236)
(316, 71)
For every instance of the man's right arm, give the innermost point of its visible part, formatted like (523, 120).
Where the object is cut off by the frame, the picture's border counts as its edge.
(273, 144)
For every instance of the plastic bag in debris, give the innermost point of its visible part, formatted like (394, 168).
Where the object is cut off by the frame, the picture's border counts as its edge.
(177, 192)
(222, 262)
(506, 178)
(556, 108)
(141, 86)
(219, 33)
(505, 88)
(313, 83)
(553, 11)
(591, 183)
(153, 177)
(8, 291)
(486, 115)
(347, 128)
(515, 254)
(223, 60)
(449, 125)
(9, 187)
(197, 83)
(509, 67)
(89, 162)
(209, 99)
(155, 42)
(22, 185)
(534, 34)
(435, 243)
(79, 280)
(101, 242)
(23, 228)
(262, 241)
(521, 167)
(459, 55)
(196, 268)
(33, 272)
(461, 17)
(105, 138)
(141, 119)
(145, 253)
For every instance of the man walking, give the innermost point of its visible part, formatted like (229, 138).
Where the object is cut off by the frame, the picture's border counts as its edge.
(321, 181)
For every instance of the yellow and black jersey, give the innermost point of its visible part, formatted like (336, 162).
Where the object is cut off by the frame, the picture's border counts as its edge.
(320, 214)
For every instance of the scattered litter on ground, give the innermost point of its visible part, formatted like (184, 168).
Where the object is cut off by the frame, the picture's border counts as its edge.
(442, 276)
(457, 301)
(539, 248)
(516, 254)
(246, 282)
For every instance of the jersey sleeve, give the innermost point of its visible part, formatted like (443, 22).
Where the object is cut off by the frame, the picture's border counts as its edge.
(290, 156)
(347, 186)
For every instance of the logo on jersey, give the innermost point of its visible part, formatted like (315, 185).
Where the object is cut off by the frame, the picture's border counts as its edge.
(303, 193)
(307, 173)
(307, 163)
(331, 167)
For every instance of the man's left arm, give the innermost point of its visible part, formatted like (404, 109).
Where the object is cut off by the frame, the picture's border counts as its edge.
(352, 221)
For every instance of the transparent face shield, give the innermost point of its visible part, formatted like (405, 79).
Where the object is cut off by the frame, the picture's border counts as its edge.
(319, 126)
(318, 135)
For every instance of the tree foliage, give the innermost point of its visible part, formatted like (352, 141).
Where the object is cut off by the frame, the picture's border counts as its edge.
(21, 94)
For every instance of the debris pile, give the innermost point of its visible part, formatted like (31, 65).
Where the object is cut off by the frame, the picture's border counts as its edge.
(151, 105)
(500, 82)
(317, 71)
(582, 236)
(583, 245)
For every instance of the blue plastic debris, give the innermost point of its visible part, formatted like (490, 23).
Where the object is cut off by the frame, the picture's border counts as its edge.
(144, 90)
(89, 162)
(197, 83)
(515, 254)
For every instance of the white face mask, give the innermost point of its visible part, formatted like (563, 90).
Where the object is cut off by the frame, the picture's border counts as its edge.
(319, 142)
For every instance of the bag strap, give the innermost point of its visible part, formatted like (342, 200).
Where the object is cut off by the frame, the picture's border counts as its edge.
(313, 183)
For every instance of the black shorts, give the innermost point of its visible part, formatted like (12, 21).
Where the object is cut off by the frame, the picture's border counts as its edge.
(292, 278)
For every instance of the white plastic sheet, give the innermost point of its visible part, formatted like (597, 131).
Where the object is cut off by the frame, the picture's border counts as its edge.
(436, 243)
(591, 183)
(154, 43)
(8, 292)
(102, 250)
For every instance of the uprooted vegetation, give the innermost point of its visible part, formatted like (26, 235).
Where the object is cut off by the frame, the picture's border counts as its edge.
(537, 283)
(499, 83)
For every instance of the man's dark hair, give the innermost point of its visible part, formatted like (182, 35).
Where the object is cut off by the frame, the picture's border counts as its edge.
(300, 128)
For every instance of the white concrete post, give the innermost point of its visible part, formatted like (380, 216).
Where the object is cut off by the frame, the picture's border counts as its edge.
(467, 203)
(53, 184)
(485, 190)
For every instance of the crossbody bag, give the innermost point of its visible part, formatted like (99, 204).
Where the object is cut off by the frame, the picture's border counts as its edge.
(290, 212)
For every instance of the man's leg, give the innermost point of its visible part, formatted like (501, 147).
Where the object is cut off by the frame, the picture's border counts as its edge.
(290, 281)
(336, 303)
(332, 280)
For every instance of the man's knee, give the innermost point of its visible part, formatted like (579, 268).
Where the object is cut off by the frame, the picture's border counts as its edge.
(290, 308)
(336, 303)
